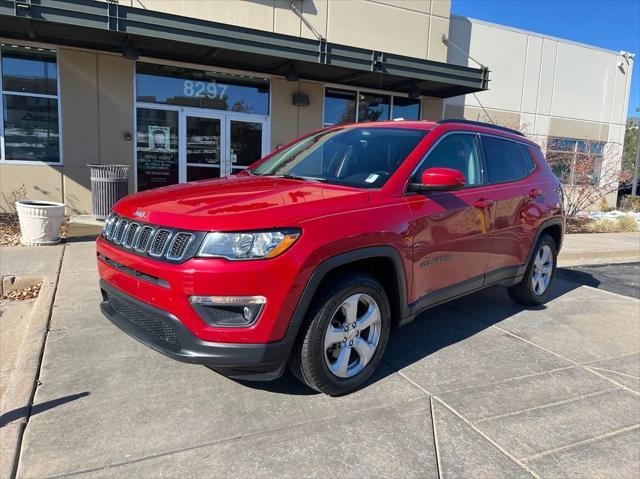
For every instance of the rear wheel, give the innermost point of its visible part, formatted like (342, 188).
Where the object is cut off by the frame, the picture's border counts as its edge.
(345, 336)
(536, 282)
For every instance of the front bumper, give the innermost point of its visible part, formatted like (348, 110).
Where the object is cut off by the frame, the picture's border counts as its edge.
(166, 334)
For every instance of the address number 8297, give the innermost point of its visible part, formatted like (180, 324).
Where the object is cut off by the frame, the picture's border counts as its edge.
(200, 89)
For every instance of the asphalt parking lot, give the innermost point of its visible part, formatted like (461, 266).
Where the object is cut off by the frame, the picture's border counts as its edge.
(477, 388)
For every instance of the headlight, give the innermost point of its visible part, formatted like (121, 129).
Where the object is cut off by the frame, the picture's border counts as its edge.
(248, 245)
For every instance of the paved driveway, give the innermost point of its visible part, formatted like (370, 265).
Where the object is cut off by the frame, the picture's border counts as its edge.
(477, 388)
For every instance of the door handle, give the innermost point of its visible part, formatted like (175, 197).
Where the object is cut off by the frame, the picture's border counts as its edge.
(535, 193)
(483, 203)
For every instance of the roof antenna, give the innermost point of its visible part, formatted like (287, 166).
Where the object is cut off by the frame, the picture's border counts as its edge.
(449, 43)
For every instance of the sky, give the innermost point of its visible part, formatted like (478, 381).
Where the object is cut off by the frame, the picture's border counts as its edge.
(611, 24)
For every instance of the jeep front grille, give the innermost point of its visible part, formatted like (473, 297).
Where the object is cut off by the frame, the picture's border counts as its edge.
(160, 240)
(149, 240)
(179, 245)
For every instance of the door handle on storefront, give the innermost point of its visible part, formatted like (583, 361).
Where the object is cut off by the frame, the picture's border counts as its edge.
(483, 203)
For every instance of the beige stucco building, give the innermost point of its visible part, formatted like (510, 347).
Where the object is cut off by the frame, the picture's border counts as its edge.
(189, 89)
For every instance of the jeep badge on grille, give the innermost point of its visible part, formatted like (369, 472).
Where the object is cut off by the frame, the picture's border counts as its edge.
(139, 214)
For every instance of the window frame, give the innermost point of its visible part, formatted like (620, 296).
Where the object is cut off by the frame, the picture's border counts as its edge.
(527, 173)
(483, 166)
(575, 152)
(57, 97)
(368, 91)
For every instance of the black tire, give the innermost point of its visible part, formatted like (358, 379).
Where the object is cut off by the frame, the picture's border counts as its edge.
(307, 361)
(524, 292)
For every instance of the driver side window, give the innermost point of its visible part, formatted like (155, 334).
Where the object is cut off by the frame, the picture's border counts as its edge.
(458, 151)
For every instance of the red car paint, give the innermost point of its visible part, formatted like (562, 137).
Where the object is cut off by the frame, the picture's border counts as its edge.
(442, 238)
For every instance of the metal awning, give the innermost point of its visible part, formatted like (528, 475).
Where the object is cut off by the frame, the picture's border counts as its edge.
(110, 26)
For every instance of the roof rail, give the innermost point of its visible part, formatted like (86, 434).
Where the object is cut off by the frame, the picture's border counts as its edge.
(481, 123)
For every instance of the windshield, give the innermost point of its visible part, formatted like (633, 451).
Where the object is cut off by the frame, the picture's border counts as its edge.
(352, 156)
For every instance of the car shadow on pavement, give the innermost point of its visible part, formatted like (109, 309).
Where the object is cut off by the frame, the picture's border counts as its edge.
(438, 328)
(25, 411)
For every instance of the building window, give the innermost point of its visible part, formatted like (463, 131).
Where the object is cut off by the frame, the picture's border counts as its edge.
(373, 107)
(172, 85)
(574, 161)
(29, 124)
(349, 106)
(339, 106)
(407, 108)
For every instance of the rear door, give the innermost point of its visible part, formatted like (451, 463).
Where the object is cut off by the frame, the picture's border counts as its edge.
(513, 196)
(450, 228)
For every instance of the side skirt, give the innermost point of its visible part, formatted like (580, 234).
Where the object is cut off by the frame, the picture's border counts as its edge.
(506, 276)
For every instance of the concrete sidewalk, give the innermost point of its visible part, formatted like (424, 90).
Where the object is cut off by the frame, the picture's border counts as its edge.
(599, 248)
(477, 388)
(22, 337)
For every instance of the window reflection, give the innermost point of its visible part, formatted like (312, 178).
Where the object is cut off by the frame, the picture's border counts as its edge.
(246, 143)
(339, 106)
(31, 129)
(29, 70)
(406, 108)
(203, 140)
(201, 89)
(373, 107)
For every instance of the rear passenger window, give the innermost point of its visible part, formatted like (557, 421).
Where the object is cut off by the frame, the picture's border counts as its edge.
(503, 160)
(529, 165)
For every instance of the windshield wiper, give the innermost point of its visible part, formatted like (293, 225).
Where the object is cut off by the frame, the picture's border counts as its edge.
(292, 176)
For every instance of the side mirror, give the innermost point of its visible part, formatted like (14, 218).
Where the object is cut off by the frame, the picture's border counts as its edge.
(440, 179)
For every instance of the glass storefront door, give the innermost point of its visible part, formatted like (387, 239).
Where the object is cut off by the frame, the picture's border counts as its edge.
(189, 144)
(203, 146)
(247, 142)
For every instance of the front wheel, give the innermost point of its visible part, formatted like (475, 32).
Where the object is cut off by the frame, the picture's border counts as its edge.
(345, 337)
(536, 282)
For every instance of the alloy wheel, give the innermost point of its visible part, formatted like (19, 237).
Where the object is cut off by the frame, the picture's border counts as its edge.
(352, 335)
(542, 270)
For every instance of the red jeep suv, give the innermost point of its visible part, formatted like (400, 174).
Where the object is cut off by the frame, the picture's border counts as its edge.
(310, 257)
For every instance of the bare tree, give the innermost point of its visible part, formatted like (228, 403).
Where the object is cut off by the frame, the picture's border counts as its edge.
(589, 170)
(590, 173)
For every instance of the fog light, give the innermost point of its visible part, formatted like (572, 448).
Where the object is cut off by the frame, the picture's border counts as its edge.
(228, 311)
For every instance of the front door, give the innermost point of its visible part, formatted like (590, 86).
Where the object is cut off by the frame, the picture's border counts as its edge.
(451, 228)
(220, 144)
(189, 144)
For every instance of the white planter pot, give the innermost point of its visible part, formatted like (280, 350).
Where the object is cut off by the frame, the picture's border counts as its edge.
(40, 222)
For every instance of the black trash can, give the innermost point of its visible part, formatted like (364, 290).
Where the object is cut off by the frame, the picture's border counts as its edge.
(109, 183)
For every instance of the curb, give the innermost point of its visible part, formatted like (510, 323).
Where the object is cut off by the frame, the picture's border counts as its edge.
(22, 384)
(12, 283)
(602, 257)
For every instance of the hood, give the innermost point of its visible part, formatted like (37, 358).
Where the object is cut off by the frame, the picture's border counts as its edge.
(239, 203)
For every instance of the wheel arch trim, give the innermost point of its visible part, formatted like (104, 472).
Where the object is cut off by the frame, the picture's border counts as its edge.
(343, 259)
(556, 221)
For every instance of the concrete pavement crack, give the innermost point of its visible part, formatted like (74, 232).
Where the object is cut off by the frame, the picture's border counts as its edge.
(491, 441)
(581, 443)
(435, 439)
(225, 440)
